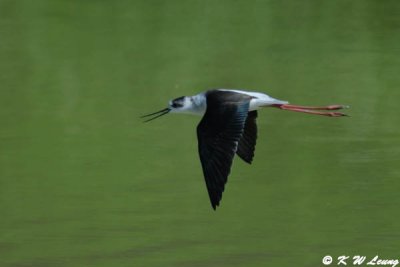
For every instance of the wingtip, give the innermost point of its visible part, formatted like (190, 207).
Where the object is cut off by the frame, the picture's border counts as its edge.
(214, 206)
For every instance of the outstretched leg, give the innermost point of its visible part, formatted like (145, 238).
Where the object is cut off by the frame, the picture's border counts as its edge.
(313, 110)
(330, 107)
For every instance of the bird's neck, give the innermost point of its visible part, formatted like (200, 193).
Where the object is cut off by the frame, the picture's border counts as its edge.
(199, 104)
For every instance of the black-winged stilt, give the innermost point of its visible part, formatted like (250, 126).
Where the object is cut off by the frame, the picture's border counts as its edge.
(228, 127)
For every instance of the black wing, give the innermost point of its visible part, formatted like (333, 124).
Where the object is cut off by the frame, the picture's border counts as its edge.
(247, 143)
(218, 134)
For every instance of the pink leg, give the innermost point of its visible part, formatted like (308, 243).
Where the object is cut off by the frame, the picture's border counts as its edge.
(330, 107)
(308, 111)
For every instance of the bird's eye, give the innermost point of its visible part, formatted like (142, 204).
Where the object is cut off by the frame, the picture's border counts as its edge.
(178, 102)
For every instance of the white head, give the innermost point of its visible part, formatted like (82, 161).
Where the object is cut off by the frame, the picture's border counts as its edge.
(183, 104)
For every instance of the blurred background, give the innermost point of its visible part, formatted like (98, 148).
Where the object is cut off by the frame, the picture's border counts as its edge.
(83, 182)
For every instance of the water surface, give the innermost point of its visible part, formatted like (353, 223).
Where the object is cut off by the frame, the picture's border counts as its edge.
(83, 182)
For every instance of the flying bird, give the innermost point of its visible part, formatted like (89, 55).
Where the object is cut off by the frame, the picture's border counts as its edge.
(229, 127)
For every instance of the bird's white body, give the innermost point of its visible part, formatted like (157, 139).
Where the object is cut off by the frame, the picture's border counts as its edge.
(259, 100)
(197, 104)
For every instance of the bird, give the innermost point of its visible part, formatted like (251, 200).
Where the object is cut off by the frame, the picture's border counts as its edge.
(228, 127)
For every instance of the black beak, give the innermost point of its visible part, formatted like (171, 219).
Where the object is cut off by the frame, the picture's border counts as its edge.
(158, 114)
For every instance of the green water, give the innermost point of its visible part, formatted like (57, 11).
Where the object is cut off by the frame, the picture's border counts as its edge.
(83, 182)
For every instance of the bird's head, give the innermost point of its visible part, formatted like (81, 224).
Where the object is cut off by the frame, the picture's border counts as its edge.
(183, 104)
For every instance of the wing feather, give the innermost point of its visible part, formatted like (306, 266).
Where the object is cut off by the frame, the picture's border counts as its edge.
(247, 143)
(218, 134)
